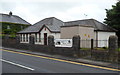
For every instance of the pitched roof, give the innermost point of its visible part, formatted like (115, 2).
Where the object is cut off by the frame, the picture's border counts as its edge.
(12, 19)
(52, 23)
(91, 22)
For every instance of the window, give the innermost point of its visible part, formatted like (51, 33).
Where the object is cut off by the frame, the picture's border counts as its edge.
(36, 37)
(26, 37)
(39, 37)
(8, 27)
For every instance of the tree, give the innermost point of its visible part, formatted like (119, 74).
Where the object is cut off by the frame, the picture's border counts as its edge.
(113, 17)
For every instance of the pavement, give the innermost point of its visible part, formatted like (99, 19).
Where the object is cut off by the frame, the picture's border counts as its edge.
(86, 61)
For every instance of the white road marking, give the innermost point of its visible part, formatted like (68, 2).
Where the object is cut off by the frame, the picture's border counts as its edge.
(17, 64)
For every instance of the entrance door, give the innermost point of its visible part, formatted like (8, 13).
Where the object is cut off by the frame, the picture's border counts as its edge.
(45, 38)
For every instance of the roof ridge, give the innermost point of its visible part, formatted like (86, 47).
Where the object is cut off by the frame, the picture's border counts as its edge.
(53, 18)
(22, 19)
(7, 14)
(105, 25)
(49, 18)
(57, 19)
(43, 20)
(79, 20)
(94, 23)
(16, 16)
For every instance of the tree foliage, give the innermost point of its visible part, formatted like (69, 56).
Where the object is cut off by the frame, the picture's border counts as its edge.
(113, 17)
(13, 28)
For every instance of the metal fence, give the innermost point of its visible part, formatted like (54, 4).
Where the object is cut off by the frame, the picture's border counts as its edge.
(93, 43)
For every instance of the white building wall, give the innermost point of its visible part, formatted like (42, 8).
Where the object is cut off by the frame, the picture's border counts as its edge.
(103, 38)
(28, 37)
(56, 35)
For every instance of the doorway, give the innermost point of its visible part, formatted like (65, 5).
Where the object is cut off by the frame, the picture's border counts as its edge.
(45, 38)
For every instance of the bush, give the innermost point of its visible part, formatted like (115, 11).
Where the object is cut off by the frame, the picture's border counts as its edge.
(14, 27)
(104, 47)
(85, 48)
(118, 49)
(101, 48)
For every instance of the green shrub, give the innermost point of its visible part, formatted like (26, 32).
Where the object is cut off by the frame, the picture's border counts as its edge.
(14, 27)
(101, 48)
(118, 49)
(104, 47)
(85, 48)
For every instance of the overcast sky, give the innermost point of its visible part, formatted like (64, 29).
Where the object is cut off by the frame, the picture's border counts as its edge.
(65, 10)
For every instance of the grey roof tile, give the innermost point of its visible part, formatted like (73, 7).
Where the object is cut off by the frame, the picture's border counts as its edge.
(54, 25)
(92, 22)
(12, 19)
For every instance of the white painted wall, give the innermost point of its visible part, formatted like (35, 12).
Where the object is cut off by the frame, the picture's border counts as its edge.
(56, 36)
(103, 38)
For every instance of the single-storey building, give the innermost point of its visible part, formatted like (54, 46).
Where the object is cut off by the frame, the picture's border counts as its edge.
(41, 30)
(86, 33)
(87, 29)
(99, 32)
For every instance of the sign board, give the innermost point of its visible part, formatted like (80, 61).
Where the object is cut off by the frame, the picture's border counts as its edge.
(63, 42)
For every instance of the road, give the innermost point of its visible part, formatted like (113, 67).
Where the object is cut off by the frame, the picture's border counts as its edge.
(16, 62)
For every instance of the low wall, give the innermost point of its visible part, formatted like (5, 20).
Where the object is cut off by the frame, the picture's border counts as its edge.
(102, 55)
(11, 43)
(119, 57)
(67, 51)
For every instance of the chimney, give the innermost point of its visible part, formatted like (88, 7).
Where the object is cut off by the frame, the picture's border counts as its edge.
(10, 13)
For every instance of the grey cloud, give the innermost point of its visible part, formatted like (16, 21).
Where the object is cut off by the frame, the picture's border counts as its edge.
(8, 6)
(39, 10)
(49, 6)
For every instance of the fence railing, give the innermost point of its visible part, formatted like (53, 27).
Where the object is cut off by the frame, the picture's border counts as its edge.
(93, 43)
